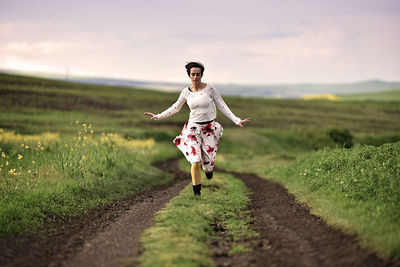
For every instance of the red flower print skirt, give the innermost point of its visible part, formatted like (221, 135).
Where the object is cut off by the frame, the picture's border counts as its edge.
(199, 143)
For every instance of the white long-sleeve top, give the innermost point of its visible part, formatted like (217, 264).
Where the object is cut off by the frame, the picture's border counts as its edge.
(202, 105)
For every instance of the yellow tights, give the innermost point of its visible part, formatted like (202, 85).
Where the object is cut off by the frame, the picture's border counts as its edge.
(196, 175)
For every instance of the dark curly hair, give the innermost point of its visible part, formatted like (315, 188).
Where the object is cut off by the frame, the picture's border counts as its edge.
(194, 64)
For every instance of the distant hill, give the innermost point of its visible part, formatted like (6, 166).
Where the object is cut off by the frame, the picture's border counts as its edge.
(387, 95)
(268, 90)
(301, 90)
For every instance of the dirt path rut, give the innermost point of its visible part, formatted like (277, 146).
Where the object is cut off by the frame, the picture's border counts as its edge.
(103, 237)
(291, 236)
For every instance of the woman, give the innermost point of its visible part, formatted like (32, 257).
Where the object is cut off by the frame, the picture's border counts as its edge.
(199, 138)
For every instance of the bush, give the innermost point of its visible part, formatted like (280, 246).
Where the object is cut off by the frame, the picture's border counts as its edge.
(341, 137)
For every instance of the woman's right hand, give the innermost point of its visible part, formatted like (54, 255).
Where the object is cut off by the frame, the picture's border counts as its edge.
(153, 116)
(242, 121)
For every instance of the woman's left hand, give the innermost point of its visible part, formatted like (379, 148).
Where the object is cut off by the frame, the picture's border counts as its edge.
(242, 121)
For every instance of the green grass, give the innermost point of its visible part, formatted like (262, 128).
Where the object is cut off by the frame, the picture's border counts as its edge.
(182, 231)
(34, 105)
(283, 135)
(58, 176)
(357, 189)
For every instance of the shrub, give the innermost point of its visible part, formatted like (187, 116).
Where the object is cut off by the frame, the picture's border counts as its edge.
(341, 137)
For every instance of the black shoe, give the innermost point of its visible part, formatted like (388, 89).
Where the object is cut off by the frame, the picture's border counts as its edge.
(196, 190)
(209, 175)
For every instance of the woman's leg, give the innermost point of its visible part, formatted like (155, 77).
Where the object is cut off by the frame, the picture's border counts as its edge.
(196, 177)
(196, 174)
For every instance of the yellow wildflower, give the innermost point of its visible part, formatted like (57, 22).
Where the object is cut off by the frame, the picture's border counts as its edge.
(6, 162)
(28, 140)
(20, 156)
(84, 125)
(3, 154)
(29, 171)
(33, 162)
(330, 97)
(83, 157)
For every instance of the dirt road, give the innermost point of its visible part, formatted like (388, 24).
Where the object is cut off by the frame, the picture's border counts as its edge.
(289, 234)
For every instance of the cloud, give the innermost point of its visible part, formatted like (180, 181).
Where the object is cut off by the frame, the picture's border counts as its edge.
(255, 42)
(307, 44)
(43, 48)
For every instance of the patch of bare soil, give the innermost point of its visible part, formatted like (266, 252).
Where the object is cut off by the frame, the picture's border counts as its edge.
(290, 235)
(102, 237)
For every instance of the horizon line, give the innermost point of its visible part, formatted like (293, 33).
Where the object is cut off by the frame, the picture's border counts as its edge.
(67, 76)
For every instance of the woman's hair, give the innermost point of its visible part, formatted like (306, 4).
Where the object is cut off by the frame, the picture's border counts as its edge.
(194, 64)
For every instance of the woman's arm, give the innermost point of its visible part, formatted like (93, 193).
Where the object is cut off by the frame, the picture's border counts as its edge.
(172, 109)
(220, 103)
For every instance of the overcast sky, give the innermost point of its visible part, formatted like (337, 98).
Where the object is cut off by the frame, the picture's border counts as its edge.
(253, 42)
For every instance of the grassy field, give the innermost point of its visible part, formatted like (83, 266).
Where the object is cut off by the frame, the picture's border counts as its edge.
(47, 176)
(285, 138)
(388, 96)
(355, 189)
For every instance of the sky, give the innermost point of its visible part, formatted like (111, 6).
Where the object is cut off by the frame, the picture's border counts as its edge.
(239, 42)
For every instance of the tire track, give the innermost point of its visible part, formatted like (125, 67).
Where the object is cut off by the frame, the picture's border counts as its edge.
(103, 237)
(291, 236)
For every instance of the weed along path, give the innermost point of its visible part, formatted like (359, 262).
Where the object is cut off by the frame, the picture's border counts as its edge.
(291, 236)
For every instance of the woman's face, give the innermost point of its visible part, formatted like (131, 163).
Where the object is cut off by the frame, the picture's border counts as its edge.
(195, 75)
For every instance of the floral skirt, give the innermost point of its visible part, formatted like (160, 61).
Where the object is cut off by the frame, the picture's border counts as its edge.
(199, 143)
